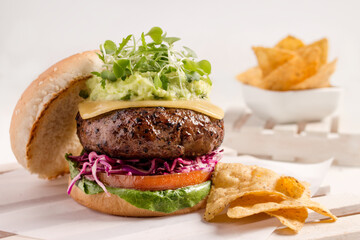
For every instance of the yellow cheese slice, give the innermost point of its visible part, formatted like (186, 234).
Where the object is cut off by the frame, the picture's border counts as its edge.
(89, 109)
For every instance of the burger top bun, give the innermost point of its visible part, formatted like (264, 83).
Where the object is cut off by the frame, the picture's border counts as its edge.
(43, 123)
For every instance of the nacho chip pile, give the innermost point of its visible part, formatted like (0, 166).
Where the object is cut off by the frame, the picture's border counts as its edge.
(291, 65)
(248, 190)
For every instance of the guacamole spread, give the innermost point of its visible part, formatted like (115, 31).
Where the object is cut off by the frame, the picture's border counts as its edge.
(138, 70)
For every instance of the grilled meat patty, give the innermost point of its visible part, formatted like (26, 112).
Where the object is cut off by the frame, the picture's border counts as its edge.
(154, 132)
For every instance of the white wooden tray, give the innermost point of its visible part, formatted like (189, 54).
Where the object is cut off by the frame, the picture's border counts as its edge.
(302, 142)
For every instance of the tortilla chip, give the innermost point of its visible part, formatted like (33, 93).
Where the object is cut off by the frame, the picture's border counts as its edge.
(294, 71)
(290, 43)
(252, 203)
(323, 45)
(290, 65)
(232, 181)
(252, 76)
(312, 58)
(292, 218)
(250, 190)
(317, 207)
(320, 80)
(270, 59)
(288, 207)
(290, 187)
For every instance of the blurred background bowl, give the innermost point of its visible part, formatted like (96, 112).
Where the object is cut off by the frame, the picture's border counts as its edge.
(292, 106)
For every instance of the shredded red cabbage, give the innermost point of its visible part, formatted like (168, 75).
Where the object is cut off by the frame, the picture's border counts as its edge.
(91, 163)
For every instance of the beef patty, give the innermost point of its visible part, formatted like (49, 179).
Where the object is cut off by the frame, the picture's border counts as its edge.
(154, 132)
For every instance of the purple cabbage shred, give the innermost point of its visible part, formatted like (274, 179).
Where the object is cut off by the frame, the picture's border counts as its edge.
(90, 164)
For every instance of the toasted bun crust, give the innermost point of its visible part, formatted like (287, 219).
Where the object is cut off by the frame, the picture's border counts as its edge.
(43, 123)
(117, 206)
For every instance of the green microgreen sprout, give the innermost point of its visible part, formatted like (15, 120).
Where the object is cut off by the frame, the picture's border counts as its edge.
(157, 56)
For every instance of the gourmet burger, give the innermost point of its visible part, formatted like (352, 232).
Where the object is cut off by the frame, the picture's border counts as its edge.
(134, 120)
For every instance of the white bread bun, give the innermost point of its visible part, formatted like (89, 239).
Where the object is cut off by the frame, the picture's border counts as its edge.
(43, 123)
(43, 129)
(115, 205)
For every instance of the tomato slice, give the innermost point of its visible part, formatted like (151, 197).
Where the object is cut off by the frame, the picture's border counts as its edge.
(155, 182)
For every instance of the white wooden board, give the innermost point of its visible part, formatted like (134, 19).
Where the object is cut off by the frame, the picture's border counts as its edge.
(345, 207)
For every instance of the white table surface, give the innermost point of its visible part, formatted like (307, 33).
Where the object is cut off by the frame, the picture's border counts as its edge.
(342, 180)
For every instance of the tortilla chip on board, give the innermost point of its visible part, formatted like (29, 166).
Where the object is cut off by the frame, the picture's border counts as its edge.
(248, 190)
(292, 218)
(290, 187)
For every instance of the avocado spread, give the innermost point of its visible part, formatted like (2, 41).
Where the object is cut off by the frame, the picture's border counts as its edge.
(138, 70)
(140, 86)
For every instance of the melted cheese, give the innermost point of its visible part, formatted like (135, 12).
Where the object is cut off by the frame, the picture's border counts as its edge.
(89, 109)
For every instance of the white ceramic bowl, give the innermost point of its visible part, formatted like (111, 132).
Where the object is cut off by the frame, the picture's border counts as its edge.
(292, 106)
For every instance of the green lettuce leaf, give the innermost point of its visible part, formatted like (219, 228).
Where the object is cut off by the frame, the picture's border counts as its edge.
(166, 201)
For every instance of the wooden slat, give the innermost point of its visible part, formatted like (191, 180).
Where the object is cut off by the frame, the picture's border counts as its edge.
(322, 191)
(229, 151)
(5, 234)
(9, 167)
(345, 207)
(269, 125)
(318, 128)
(18, 237)
(340, 205)
(344, 148)
(334, 126)
(285, 131)
(301, 127)
(232, 116)
(289, 129)
(254, 122)
(241, 121)
(349, 123)
(344, 228)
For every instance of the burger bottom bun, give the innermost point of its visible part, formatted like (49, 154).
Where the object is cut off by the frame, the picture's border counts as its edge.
(115, 205)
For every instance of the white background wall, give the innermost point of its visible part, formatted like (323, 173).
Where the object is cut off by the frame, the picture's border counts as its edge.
(36, 34)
